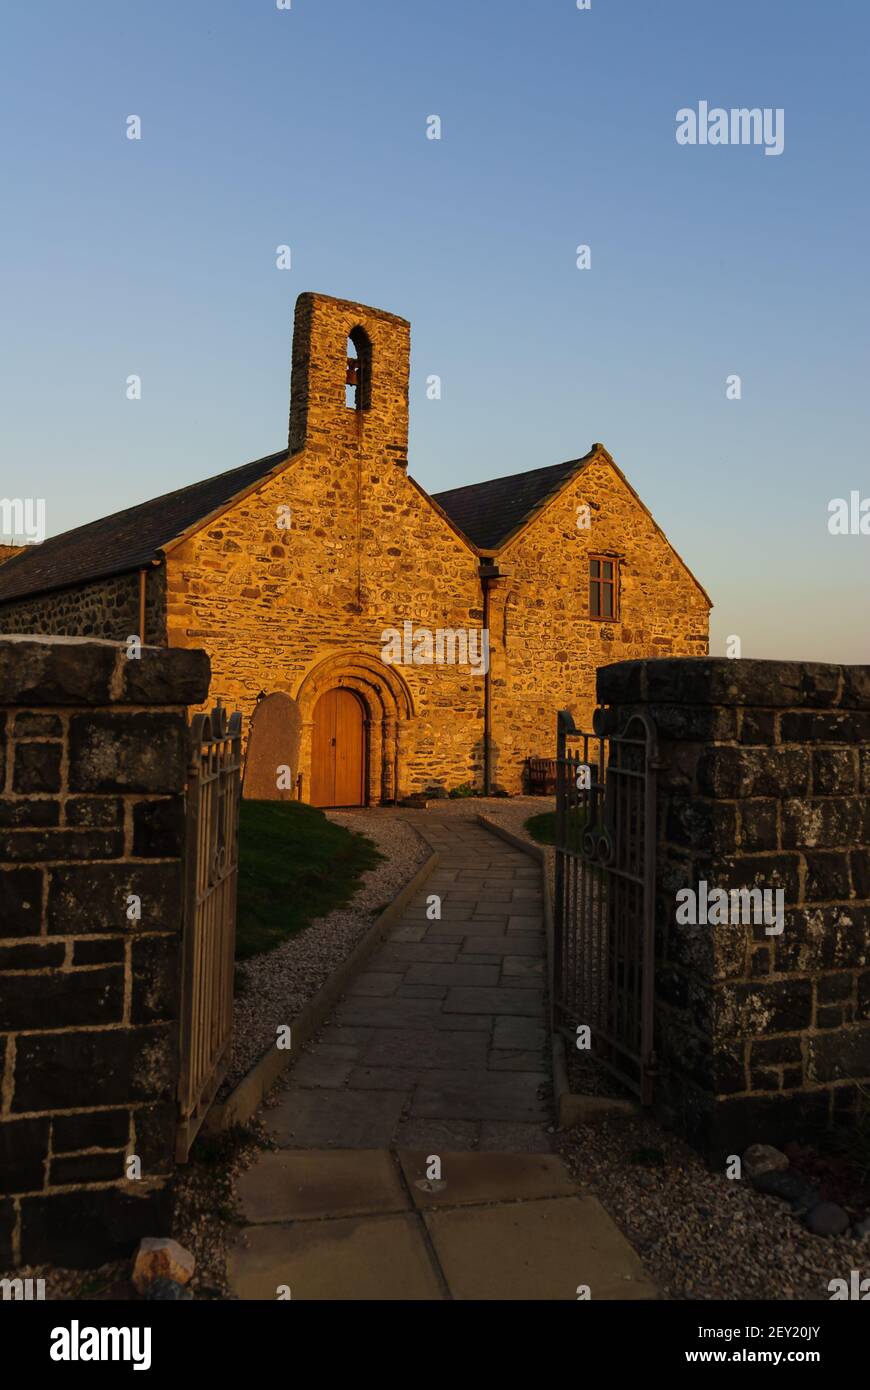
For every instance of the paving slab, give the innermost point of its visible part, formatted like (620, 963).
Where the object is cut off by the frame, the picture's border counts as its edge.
(347, 1050)
(516, 1059)
(333, 1034)
(538, 1250)
(434, 1136)
(319, 1068)
(530, 968)
(456, 929)
(383, 1079)
(377, 982)
(527, 1002)
(513, 1136)
(342, 1119)
(463, 1023)
(503, 945)
(487, 1095)
(510, 1032)
(375, 1257)
(310, 1184)
(410, 952)
(386, 1013)
(525, 923)
(485, 1177)
(460, 974)
(399, 1047)
(409, 933)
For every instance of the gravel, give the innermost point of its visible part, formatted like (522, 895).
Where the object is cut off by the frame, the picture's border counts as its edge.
(702, 1235)
(277, 984)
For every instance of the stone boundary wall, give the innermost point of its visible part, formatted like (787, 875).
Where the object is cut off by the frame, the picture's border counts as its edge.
(761, 1036)
(93, 763)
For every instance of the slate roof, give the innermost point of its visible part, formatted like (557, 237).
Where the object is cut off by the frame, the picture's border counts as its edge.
(487, 513)
(125, 540)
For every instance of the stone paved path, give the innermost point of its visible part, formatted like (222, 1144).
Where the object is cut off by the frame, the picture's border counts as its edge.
(438, 1049)
(362, 1224)
(441, 1042)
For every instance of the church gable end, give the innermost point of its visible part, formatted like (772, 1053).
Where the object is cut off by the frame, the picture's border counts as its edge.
(551, 628)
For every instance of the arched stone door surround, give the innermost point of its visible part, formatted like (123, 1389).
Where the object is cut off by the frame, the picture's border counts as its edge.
(387, 704)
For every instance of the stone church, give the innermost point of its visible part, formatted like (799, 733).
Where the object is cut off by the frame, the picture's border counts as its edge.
(427, 641)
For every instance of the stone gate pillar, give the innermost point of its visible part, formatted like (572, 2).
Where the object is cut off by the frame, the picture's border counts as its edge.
(93, 760)
(762, 1028)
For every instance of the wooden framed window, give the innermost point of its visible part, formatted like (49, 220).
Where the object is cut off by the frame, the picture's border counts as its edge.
(604, 587)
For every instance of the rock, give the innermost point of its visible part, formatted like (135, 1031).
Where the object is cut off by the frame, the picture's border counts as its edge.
(763, 1158)
(862, 1228)
(790, 1186)
(159, 1257)
(167, 1290)
(826, 1219)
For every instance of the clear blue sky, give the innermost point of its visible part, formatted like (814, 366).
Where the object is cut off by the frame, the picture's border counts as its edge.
(308, 127)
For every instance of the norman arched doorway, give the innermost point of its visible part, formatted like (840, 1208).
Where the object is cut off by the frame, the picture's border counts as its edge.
(386, 708)
(339, 750)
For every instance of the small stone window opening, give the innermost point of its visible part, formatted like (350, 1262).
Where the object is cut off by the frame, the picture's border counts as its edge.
(357, 391)
(603, 587)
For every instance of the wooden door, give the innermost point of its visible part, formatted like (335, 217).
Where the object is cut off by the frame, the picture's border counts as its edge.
(338, 750)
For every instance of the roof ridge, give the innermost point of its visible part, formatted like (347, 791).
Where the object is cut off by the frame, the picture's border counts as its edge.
(507, 477)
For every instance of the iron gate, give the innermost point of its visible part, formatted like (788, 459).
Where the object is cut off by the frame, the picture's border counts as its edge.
(209, 932)
(605, 894)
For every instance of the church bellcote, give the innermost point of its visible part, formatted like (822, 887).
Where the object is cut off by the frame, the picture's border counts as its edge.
(349, 380)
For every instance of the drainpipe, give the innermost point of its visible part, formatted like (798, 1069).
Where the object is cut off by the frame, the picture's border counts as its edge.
(487, 691)
(490, 572)
(142, 574)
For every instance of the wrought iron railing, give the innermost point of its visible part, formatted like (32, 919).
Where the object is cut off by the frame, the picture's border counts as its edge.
(605, 894)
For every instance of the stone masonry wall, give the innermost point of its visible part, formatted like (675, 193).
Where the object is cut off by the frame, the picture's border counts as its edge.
(93, 758)
(762, 1036)
(546, 647)
(105, 608)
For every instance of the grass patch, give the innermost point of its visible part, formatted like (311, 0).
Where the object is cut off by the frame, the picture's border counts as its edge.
(294, 865)
(464, 789)
(543, 827)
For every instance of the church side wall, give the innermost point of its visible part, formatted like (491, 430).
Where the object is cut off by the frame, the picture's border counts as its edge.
(105, 608)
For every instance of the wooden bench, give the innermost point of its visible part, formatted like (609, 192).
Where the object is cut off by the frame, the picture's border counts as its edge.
(541, 776)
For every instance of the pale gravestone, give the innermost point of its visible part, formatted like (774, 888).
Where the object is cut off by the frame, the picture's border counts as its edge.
(273, 743)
